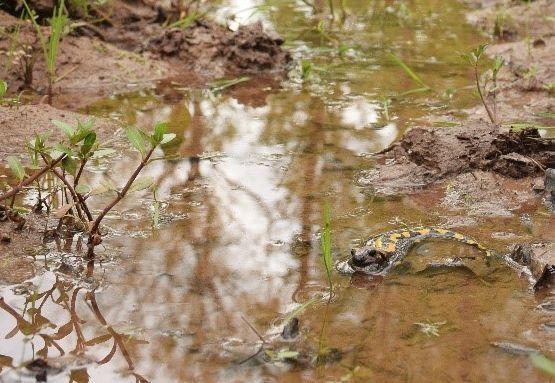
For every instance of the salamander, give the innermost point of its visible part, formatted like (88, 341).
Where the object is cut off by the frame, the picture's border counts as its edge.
(383, 251)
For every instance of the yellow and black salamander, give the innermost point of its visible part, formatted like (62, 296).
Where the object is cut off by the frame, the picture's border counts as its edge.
(382, 251)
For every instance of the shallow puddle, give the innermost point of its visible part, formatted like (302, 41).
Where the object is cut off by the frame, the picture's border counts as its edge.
(235, 251)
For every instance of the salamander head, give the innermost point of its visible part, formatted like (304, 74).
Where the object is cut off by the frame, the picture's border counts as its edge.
(366, 259)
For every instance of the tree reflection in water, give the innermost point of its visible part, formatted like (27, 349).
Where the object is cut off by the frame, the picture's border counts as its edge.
(52, 321)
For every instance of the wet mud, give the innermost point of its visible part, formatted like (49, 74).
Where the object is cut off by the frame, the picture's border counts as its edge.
(210, 49)
(425, 156)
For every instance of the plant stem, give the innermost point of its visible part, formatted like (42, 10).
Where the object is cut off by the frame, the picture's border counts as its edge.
(94, 229)
(490, 114)
(16, 189)
(79, 201)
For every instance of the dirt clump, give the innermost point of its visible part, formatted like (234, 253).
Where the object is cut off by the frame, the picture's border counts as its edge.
(425, 156)
(213, 50)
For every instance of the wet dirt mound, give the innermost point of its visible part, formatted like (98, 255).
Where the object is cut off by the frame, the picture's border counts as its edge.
(206, 47)
(425, 156)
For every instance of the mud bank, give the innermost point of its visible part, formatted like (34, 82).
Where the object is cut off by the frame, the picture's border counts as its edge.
(425, 156)
(133, 46)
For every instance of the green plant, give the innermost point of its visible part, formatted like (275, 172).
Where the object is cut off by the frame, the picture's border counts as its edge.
(473, 59)
(51, 45)
(306, 69)
(3, 90)
(67, 161)
(325, 240)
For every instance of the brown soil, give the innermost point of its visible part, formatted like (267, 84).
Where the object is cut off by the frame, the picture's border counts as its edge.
(425, 156)
(25, 120)
(131, 47)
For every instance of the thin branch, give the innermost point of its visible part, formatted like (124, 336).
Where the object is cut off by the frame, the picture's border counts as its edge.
(16, 189)
(121, 194)
(490, 114)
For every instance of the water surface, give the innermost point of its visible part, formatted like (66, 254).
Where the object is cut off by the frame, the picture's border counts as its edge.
(237, 244)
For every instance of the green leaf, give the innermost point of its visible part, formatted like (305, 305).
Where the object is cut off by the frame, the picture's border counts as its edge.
(159, 130)
(141, 183)
(167, 138)
(3, 88)
(83, 130)
(68, 130)
(543, 363)
(136, 138)
(16, 168)
(63, 149)
(69, 165)
(397, 60)
(86, 125)
(82, 189)
(103, 152)
(88, 143)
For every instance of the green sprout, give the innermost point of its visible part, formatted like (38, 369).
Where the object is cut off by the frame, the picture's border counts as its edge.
(51, 45)
(326, 244)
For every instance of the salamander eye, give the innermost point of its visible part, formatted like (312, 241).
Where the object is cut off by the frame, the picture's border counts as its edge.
(353, 252)
(372, 252)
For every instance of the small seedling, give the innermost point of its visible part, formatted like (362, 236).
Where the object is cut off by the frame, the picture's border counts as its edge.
(473, 59)
(50, 46)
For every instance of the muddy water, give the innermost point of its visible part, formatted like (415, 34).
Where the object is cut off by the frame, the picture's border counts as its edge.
(237, 241)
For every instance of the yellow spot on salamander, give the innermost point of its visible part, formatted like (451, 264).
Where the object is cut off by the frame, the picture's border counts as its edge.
(424, 231)
(390, 248)
(395, 236)
(378, 243)
(442, 231)
(406, 234)
(459, 236)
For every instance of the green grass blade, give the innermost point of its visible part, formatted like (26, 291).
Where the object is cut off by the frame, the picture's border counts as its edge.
(543, 363)
(326, 243)
(397, 60)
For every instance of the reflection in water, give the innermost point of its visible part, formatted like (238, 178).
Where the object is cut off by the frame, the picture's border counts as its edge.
(49, 320)
(239, 234)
